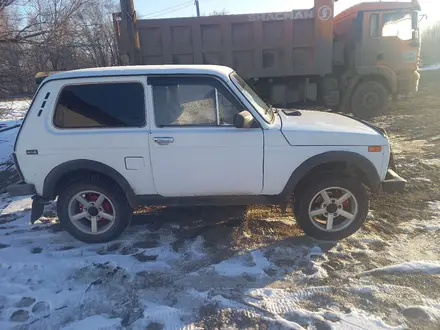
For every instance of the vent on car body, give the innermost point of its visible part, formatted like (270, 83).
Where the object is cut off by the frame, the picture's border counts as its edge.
(43, 104)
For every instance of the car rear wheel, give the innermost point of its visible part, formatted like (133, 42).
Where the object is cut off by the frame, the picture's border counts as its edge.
(332, 208)
(93, 210)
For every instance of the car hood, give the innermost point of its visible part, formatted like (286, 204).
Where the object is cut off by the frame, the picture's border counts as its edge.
(325, 128)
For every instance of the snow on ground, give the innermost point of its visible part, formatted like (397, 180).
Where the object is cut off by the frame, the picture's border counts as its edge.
(12, 110)
(433, 67)
(408, 268)
(11, 114)
(156, 276)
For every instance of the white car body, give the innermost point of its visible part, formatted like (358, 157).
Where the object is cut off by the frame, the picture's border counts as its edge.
(204, 154)
(165, 165)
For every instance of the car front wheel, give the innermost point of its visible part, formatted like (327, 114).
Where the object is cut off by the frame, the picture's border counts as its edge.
(332, 208)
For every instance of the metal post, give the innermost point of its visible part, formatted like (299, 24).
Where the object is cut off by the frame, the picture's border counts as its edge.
(217, 108)
(196, 2)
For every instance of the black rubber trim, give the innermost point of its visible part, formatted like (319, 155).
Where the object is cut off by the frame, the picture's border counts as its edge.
(159, 200)
(393, 183)
(21, 189)
(368, 169)
(51, 181)
(37, 208)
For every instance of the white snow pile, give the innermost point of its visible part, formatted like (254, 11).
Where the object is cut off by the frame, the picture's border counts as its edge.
(427, 267)
(432, 67)
(11, 115)
(285, 305)
(13, 110)
(430, 225)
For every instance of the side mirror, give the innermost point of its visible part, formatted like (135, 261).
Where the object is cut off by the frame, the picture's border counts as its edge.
(243, 119)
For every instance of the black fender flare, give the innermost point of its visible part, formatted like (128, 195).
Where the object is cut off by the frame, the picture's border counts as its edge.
(52, 179)
(368, 169)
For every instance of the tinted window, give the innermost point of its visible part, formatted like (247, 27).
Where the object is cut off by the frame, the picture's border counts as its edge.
(192, 101)
(101, 105)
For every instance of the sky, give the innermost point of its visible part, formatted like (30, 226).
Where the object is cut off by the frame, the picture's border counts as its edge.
(181, 8)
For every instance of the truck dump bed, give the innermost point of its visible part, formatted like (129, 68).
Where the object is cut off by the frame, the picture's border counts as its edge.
(280, 44)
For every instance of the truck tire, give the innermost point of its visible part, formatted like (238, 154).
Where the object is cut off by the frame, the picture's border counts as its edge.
(331, 208)
(93, 210)
(369, 99)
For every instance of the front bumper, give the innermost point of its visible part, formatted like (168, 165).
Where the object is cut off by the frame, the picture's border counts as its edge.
(408, 83)
(393, 183)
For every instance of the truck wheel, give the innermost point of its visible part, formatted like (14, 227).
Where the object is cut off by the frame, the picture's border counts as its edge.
(93, 210)
(369, 99)
(332, 208)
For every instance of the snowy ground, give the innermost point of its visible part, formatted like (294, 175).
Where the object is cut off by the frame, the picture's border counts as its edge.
(432, 67)
(167, 273)
(230, 267)
(11, 115)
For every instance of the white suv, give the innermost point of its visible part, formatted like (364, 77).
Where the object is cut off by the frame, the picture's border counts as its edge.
(107, 140)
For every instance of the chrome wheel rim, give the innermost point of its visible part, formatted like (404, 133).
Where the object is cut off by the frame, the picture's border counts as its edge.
(91, 212)
(333, 209)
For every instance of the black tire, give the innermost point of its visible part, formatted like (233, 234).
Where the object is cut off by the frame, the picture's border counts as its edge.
(304, 197)
(115, 195)
(369, 99)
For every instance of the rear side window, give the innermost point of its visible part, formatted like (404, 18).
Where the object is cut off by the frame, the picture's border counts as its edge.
(101, 105)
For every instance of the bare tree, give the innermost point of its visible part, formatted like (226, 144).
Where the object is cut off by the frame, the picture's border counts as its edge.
(54, 35)
(5, 3)
(95, 33)
(219, 12)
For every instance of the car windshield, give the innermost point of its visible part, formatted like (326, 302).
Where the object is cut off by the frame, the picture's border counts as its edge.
(263, 109)
(397, 25)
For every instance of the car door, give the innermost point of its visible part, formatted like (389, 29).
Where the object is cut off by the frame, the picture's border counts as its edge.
(194, 148)
(370, 52)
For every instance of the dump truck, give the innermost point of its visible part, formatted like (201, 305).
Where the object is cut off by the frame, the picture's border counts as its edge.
(352, 62)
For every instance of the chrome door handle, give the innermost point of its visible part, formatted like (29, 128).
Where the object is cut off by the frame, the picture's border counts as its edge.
(163, 141)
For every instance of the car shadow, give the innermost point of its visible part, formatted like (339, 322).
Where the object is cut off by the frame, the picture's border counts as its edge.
(228, 230)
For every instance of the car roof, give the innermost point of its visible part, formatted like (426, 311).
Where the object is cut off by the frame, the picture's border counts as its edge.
(142, 70)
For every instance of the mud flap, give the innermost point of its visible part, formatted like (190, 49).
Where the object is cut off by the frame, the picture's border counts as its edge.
(37, 208)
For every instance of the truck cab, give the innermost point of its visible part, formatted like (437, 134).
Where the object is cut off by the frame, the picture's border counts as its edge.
(381, 42)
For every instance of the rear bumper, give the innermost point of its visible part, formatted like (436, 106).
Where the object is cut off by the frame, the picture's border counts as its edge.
(393, 182)
(21, 189)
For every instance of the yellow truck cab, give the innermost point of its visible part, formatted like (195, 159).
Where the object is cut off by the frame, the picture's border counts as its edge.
(382, 42)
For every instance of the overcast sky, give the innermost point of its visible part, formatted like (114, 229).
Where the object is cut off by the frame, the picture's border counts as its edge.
(174, 8)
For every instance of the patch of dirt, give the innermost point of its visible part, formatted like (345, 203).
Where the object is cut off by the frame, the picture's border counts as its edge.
(427, 285)
(211, 317)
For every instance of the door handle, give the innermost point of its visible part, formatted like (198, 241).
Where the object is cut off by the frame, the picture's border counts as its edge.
(163, 141)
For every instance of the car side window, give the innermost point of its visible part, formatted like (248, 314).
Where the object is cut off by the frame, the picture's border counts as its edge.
(200, 101)
(102, 105)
